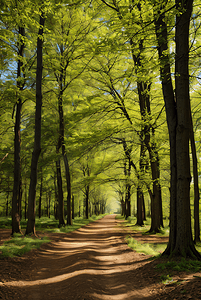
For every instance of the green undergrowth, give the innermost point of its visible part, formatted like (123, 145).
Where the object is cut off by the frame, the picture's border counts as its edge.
(19, 245)
(152, 249)
(156, 249)
(77, 223)
(131, 224)
(182, 265)
(50, 224)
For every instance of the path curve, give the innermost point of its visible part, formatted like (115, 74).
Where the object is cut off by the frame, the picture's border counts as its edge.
(90, 263)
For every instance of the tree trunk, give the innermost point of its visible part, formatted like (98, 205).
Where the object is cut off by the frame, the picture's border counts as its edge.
(68, 181)
(25, 200)
(87, 201)
(184, 241)
(196, 185)
(56, 200)
(49, 203)
(144, 102)
(122, 207)
(61, 144)
(7, 203)
(140, 199)
(140, 195)
(17, 141)
(60, 195)
(73, 206)
(171, 115)
(178, 119)
(40, 196)
(37, 140)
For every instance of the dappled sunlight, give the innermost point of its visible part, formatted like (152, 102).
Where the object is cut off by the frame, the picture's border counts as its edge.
(93, 256)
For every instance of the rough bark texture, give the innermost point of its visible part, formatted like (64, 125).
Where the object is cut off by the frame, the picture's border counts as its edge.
(171, 115)
(61, 144)
(40, 196)
(17, 141)
(127, 173)
(180, 241)
(37, 140)
(184, 242)
(68, 181)
(140, 212)
(144, 103)
(87, 201)
(73, 206)
(60, 195)
(196, 185)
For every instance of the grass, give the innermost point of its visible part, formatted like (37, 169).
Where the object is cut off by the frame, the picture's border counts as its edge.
(18, 244)
(145, 248)
(50, 224)
(153, 249)
(182, 265)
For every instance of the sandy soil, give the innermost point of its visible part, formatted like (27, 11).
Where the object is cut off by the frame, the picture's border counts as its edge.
(91, 263)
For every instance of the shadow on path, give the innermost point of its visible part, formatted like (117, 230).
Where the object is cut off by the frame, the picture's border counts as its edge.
(91, 263)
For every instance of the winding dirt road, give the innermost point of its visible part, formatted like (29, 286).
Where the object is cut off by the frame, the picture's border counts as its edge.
(91, 263)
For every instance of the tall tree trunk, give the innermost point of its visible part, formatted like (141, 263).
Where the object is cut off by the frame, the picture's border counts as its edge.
(61, 144)
(73, 206)
(184, 241)
(7, 203)
(127, 174)
(140, 214)
(56, 200)
(25, 200)
(68, 181)
(60, 195)
(17, 140)
(140, 195)
(87, 201)
(171, 115)
(144, 102)
(196, 185)
(37, 140)
(49, 203)
(40, 196)
(178, 119)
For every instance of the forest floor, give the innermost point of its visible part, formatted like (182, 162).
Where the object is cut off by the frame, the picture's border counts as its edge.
(92, 263)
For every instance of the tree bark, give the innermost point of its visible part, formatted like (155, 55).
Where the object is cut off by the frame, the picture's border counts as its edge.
(37, 139)
(140, 213)
(40, 196)
(184, 242)
(73, 206)
(87, 201)
(60, 195)
(68, 181)
(171, 115)
(61, 80)
(196, 185)
(17, 140)
(178, 119)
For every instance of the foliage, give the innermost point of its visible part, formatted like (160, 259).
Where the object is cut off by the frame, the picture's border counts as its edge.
(182, 266)
(146, 248)
(19, 245)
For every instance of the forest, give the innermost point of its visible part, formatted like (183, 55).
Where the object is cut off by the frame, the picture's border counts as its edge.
(100, 113)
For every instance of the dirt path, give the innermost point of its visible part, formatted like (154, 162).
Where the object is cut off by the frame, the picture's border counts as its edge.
(91, 263)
